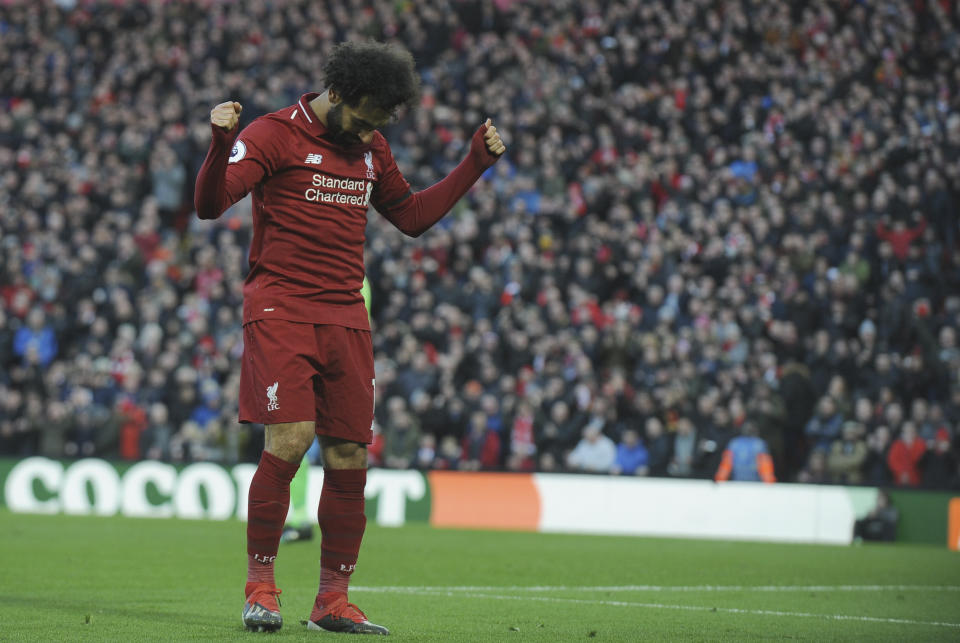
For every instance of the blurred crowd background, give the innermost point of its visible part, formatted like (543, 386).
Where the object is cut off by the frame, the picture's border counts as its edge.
(720, 225)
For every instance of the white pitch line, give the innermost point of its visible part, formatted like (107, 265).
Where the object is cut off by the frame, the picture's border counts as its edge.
(685, 608)
(666, 588)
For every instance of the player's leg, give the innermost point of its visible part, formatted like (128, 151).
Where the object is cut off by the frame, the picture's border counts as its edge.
(267, 505)
(341, 512)
(276, 390)
(344, 421)
(342, 523)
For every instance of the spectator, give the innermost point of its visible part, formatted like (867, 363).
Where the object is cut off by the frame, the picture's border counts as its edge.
(658, 447)
(684, 449)
(36, 342)
(133, 424)
(876, 471)
(906, 454)
(900, 236)
(847, 455)
(865, 414)
(716, 432)
(939, 464)
(93, 429)
(632, 457)
(401, 435)
(523, 449)
(53, 437)
(559, 429)
(480, 448)
(21, 423)
(816, 470)
(893, 416)
(920, 415)
(824, 427)
(595, 452)
(169, 176)
(880, 523)
(155, 443)
(449, 455)
(746, 458)
(426, 452)
(209, 408)
(193, 442)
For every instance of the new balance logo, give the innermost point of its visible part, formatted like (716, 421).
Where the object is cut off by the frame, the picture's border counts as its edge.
(314, 158)
(272, 403)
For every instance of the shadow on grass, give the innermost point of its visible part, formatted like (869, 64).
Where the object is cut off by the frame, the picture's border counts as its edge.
(66, 607)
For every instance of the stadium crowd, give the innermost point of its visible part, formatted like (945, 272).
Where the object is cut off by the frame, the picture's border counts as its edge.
(716, 219)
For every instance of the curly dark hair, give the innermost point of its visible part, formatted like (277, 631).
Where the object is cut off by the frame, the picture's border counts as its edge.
(383, 73)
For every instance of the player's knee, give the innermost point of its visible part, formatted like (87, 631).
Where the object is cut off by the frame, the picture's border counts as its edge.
(341, 454)
(289, 441)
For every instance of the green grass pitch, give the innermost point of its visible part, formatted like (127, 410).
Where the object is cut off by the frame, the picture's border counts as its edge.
(121, 579)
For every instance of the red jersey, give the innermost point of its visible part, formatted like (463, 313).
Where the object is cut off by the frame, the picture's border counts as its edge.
(310, 201)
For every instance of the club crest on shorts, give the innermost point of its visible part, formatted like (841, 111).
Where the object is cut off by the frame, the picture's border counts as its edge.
(272, 403)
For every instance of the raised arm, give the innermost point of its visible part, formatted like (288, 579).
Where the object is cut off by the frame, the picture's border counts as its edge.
(222, 179)
(413, 214)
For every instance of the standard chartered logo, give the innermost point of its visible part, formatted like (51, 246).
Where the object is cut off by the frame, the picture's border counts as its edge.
(152, 489)
(328, 189)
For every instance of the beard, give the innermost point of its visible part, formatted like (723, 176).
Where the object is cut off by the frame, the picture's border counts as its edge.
(335, 127)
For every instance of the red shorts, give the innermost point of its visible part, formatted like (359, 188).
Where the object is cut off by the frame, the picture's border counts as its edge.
(295, 372)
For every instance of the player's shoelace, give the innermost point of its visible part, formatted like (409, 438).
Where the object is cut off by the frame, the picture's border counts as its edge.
(343, 609)
(275, 592)
(352, 612)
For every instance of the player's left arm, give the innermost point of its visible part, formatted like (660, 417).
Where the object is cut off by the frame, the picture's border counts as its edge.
(414, 213)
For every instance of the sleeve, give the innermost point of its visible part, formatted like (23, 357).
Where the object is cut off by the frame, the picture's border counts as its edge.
(765, 467)
(620, 458)
(882, 231)
(20, 341)
(575, 457)
(233, 168)
(491, 450)
(896, 461)
(726, 466)
(49, 346)
(834, 427)
(414, 213)
(917, 231)
(920, 449)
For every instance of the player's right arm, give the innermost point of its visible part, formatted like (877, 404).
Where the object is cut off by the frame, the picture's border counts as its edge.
(231, 169)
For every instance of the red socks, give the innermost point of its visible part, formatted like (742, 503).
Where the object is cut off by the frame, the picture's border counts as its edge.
(340, 516)
(267, 506)
(342, 522)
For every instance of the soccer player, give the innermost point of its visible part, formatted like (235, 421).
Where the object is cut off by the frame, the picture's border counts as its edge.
(313, 168)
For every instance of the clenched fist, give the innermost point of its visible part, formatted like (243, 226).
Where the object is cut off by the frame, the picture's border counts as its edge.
(492, 139)
(226, 115)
